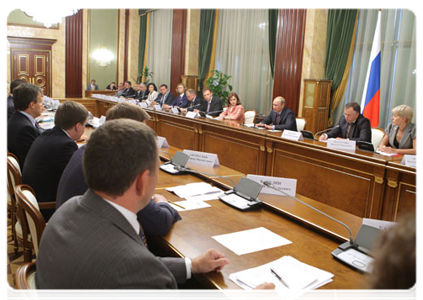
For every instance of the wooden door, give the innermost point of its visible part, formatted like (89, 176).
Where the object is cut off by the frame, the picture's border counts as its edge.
(32, 66)
(31, 61)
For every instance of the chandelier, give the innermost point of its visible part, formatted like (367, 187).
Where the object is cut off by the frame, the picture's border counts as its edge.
(48, 17)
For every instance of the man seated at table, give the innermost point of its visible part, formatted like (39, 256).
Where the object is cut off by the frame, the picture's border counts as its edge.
(121, 88)
(212, 106)
(194, 102)
(10, 104)
(94, 241)
(156, 218)
(165, 98)
(128, 91)
(92, 86)
(51, 152)
(353, 126)
(280, 118)
(142, 93)
(22, 129)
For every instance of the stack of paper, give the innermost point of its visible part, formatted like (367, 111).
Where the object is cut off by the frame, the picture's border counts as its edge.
(195, 195)
(291, 277)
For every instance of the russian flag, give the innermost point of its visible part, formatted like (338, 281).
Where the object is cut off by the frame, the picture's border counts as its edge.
(371, 95)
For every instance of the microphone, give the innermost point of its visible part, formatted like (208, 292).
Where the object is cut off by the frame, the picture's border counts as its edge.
(213, 112)
(179, 160)
(168, 154)
(185, 169)
(345, 245)
(326, 130)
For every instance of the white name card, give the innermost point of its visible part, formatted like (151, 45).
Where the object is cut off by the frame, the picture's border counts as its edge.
(202, 158)
(157, 107)
(409, 160)
(162, 142)
(346, 145)
(175, 110)
(102, 120)
(292, 135)
(191, 115)
(288, 185)
(143, 104)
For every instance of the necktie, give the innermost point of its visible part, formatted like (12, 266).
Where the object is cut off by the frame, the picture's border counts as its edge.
(349, 130)
(278, 119)
(39, 129)
(208, 106)
(142, 235)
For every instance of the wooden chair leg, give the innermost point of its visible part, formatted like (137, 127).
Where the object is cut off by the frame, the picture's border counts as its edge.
(27, 254)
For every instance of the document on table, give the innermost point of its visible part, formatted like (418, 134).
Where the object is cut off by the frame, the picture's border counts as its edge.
(386, 154)
(188, 205)
(252, 240)
(291, 277)
(196, 189)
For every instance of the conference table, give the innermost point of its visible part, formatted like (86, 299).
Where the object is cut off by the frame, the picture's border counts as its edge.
(363, 183)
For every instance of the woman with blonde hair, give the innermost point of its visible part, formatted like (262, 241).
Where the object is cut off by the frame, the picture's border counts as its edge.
(235, 110)
(400, 135)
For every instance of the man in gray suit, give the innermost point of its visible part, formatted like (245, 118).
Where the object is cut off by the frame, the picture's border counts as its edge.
(94, 241)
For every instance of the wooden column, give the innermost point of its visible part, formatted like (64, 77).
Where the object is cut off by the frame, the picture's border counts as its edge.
(289, 56)
(178, 47)
(73, 54)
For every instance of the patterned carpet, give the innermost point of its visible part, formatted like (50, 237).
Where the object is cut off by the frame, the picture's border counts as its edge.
(13, 260)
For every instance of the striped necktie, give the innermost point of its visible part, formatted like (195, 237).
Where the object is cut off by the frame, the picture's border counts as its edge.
(142, 235)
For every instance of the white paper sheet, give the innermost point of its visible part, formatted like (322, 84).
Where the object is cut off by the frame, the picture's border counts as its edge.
(194, 189)
(252, 240)
(189, 205)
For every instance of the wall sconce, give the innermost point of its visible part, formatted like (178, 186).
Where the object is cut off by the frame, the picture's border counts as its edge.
(103, 57)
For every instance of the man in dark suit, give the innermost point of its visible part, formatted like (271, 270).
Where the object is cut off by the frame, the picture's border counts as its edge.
(10, 104)
(194, 102)
(140, 92)
(92, 86)
(22, 129)
(51, 152)
(128, 91)
(212, 106)
(156, 218)
(353, 126)
(280, 118)
(165, 98)
(94, 241)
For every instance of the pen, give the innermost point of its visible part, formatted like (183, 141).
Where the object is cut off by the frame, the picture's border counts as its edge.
(176, 204)
(279, 278)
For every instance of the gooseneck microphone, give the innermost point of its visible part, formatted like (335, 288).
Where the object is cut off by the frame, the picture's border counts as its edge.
(270, 185)
(326, 130)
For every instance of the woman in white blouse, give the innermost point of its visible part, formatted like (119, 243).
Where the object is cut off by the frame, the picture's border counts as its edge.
(152, 95)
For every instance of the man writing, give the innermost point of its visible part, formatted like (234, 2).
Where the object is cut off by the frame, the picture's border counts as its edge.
(280, 118)
(194, 102)
(353, 125)
(100, 246)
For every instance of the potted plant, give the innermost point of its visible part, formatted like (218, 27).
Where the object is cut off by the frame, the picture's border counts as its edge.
(145, 76)
(218, 84)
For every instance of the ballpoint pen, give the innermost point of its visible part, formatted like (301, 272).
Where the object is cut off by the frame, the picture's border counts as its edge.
(279, 278)
(176, 204)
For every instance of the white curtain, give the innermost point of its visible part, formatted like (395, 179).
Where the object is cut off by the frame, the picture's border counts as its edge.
(242, 51)
(160, 45)
(398, 61)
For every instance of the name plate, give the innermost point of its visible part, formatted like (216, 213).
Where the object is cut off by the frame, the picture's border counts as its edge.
(202, 158)
(191, 115)
(287, 185)
(157, 107)
(175, 110)
(102, 120)
(292, 135)
(162, 142)
(409, 160)
(143, 104)
(346, 145)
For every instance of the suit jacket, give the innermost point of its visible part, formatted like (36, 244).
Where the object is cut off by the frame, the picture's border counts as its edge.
(140, 95)
(286, 120)
(155, 218)
(21, 133)
(361, 130)
(10, 107)
(129, 93)
(197, 103)
(45, 162)
(90, 89)
(215, 107)
(88, 244)
(168, 100)
(407, 138)
(181, 102)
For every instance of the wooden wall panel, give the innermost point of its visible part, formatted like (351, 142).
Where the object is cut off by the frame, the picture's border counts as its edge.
(289, 56)
(73, 55)
(178, 47)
